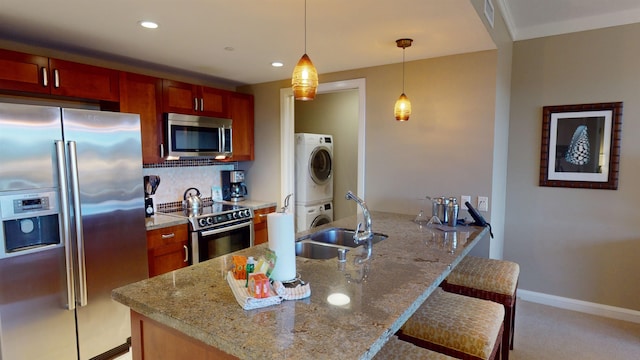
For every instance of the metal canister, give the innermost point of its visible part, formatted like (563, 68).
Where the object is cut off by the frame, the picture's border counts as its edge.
(439, 208)
(452, 212)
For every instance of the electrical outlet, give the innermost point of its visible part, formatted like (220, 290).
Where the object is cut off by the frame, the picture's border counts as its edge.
(463, 200)
(483, 203)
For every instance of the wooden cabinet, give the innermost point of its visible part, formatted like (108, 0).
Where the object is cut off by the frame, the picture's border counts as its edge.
(261, 234)
(152, 340)
(183, 98)
(37, 74)
(167, 249)
(23, 72)
(139, 94)
(142, 95)
(241, 112)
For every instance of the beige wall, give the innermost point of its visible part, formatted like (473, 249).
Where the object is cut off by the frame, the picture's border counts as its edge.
(335, 114)
(575, 243)
(446, 148)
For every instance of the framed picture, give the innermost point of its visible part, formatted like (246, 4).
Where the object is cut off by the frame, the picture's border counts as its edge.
(581, 145)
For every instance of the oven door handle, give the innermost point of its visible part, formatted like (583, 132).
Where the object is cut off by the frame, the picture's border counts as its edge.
(219, 230)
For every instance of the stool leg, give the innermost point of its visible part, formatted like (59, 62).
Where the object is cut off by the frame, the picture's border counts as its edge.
(513, 322)
(506, 335)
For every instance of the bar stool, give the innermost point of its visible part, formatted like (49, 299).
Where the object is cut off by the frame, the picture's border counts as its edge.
(402, 350)
(456, 325)
(488, 279)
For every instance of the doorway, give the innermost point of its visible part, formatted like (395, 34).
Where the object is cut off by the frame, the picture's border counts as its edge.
(287, 139)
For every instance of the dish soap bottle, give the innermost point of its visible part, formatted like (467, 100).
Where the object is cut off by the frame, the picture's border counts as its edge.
(251, 263)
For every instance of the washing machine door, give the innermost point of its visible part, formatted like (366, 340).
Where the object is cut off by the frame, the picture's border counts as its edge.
(320, 220)
(320, 165)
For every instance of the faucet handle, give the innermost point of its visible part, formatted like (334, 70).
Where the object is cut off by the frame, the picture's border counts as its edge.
(355, 236)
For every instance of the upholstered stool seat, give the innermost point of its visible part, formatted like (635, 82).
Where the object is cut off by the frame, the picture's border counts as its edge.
(396, 349)
(489, 279)
(456, 325)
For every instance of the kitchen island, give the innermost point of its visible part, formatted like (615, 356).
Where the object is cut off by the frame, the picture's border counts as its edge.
(193, 312)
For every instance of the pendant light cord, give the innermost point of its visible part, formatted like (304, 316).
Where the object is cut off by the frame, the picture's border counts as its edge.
(305, 26)
(402, 68)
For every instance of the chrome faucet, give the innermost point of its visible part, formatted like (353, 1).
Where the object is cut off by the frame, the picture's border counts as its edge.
(367, 234)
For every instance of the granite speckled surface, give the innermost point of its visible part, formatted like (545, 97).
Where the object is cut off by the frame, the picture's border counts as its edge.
(384, 291)
(157, 221)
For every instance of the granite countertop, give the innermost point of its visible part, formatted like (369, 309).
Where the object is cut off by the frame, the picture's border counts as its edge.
(384, 292)
(158, 221)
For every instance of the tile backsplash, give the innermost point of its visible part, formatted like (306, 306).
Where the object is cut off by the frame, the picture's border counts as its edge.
(174, 181)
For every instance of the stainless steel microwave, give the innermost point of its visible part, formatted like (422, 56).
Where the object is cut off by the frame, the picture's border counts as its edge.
(197, 136)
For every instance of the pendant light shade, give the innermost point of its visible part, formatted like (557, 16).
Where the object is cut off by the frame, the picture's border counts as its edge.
(402, 109)
(304, 80)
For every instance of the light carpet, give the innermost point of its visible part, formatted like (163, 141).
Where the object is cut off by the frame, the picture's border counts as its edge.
(548, 333)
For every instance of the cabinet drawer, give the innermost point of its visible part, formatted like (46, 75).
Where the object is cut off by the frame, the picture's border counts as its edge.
(167, 235)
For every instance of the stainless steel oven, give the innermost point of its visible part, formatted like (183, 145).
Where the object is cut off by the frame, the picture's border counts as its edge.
(219, 229)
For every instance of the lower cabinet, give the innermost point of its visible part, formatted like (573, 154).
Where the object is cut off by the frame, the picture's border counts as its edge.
(261, 234)
(151, 340)
(167, 249)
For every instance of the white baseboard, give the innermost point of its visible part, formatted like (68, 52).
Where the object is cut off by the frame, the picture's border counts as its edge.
(581, 306)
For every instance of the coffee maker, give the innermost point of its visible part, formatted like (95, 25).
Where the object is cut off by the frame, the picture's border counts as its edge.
(151, 183)
(233, 187)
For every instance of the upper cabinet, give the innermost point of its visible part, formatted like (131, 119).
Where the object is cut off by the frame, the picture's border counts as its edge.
(151, 97)
(140, 94)
(183, 98)
(37, 74)
(241, 112)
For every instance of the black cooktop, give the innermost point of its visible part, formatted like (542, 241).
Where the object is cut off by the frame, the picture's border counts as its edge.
(215, 208)
(214, 215)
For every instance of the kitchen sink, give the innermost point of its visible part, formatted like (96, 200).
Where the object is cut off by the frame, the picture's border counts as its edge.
(327, 243)
(343, 237)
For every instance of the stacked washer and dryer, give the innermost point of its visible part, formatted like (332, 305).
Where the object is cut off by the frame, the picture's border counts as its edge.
(314, 180)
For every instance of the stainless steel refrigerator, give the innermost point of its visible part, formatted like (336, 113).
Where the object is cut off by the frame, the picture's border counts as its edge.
(72, 229)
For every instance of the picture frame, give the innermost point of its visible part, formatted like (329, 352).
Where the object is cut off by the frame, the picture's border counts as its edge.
(581, 145)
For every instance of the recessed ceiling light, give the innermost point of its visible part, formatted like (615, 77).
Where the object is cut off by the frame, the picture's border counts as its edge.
(148, 24)
(277, 64)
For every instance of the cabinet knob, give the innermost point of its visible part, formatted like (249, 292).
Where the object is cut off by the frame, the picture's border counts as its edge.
(168, 236)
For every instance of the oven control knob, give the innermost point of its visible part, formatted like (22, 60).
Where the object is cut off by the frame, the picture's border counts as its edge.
(202, 222)
(210, 220)
(247, 213)
(235, 215)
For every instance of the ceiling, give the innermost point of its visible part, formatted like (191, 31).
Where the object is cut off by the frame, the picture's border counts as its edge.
(236, 41)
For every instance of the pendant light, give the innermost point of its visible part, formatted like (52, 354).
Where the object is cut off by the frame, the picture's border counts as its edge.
(305, 76)
(402, 109)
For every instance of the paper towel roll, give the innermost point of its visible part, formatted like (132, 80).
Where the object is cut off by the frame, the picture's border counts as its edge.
(282, 242)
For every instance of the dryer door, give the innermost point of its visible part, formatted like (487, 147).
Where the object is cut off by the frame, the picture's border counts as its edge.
(320, 220)
(320, 165)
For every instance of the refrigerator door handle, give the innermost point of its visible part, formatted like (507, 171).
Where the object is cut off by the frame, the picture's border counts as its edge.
(65, 218)
(75, 192)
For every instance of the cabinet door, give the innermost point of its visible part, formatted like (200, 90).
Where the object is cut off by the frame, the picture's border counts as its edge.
(260, 231)
(241, 111)
(213, 102)
(23, 72)
(142, 95)
(167, 249)
(179, 97)
(83, 81)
